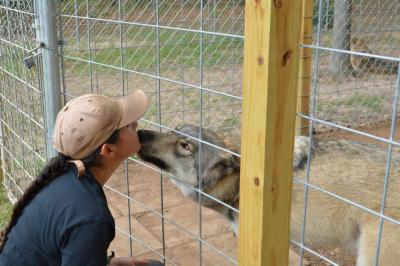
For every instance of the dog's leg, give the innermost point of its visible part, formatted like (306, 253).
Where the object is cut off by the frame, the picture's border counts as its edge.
(389, 246)
(234, 227)
(367, 244)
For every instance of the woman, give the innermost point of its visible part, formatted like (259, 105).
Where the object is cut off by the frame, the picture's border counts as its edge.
(63, 217)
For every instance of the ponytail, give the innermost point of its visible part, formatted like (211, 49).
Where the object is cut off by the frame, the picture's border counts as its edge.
(54, 168)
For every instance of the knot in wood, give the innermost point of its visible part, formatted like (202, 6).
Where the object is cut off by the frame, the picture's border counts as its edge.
(278, 3)
(286, 57)
(256, 181)
(260, 60)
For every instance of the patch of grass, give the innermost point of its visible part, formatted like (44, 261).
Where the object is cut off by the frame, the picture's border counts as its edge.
(231, 122)
(176, 49)
(373, 102)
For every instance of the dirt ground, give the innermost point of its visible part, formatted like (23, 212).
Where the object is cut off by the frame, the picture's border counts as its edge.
(181, 245)
(380, 130)
(181, 223)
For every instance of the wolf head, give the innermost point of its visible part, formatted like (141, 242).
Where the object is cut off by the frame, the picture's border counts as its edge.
(194, 163)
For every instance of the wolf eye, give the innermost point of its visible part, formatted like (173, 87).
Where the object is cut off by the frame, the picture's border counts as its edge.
(185, 146)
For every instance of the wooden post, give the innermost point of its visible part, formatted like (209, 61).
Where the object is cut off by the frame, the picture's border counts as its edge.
(303, 100)
(271, 53)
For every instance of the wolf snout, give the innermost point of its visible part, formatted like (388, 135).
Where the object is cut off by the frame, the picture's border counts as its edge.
(145, 135)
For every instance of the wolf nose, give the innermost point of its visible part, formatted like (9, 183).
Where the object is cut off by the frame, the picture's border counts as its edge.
(145, 135)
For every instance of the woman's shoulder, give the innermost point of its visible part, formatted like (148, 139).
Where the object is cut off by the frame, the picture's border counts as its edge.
(79, 197)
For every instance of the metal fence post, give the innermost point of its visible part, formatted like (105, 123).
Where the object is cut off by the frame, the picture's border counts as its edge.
(51, 73)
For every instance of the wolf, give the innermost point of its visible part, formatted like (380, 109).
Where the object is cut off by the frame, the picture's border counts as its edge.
(367, 65)
(350, 170)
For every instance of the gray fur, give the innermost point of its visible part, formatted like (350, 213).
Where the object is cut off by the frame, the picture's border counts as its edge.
(346, 168)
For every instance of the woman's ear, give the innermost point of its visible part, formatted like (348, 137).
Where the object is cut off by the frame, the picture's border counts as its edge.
(107, 150)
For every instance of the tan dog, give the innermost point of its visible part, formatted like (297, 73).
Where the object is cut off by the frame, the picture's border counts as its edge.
(346, 168)
(368, 65)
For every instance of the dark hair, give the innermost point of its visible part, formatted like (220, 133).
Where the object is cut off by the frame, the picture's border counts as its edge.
(53, 169)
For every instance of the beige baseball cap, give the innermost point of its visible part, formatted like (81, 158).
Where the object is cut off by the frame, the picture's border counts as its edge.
(87, 121)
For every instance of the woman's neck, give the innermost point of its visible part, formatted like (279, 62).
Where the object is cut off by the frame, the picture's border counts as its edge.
(103, 172)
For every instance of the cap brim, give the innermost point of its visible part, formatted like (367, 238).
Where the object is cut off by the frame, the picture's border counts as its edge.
(134, 106)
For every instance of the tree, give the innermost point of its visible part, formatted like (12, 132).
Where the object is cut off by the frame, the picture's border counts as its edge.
(340, 63)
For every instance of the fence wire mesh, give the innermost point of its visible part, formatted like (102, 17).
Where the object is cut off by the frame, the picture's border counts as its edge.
(354, 117)
(21, 113)
(356, 91)
(187, 56)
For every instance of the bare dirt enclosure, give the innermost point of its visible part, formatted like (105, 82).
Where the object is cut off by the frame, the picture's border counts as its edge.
(181, 246)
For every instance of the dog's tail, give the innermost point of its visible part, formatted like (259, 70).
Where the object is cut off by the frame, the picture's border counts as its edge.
(300, 152)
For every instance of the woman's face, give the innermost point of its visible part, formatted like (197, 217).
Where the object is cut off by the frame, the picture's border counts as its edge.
(128, 140)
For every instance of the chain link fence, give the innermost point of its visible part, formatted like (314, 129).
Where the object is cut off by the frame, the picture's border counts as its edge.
(187, 56)
(21, 97)
(356, 91)
(354, 99)
(117, 46)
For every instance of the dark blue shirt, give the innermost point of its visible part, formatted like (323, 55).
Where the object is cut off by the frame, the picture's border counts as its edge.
(67, 223)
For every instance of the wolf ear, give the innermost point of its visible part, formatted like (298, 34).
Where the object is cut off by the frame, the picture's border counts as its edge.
(231, 162)
(223, 167)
